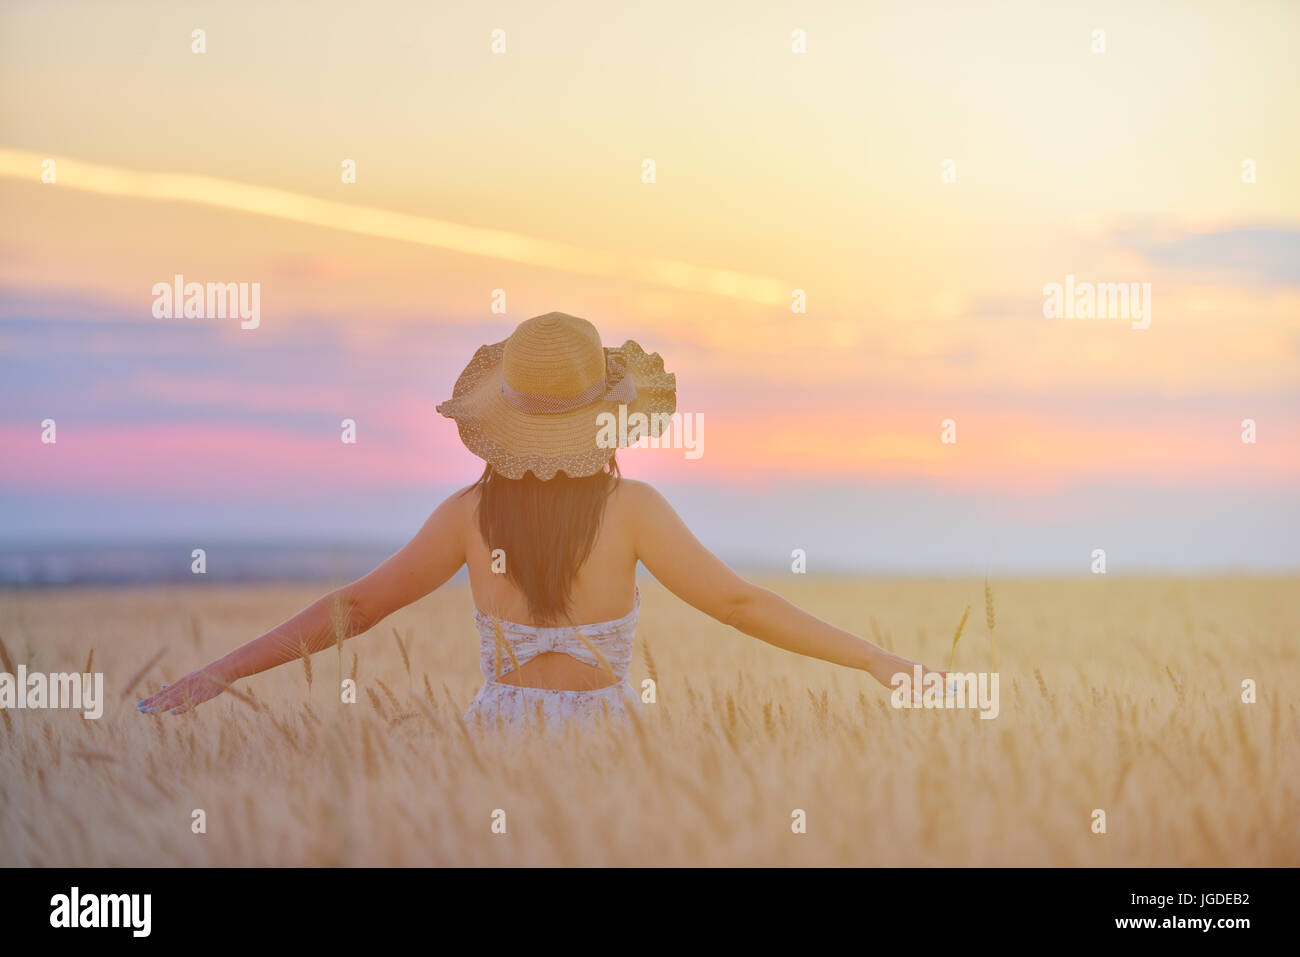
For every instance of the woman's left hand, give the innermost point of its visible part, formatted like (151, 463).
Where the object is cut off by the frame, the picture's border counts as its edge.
(888, 664)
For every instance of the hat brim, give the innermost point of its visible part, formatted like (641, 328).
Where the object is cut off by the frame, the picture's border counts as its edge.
(515, 442)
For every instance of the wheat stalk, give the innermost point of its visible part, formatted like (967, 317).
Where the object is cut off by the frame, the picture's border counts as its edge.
(87, 755)
(957, 634)
(425, 708)
(500, 643)
(989, 620)
(650, 668)
(235, 692)
(367, 749)
(306, 663)
(135, 678)
(406, 661)
(339, 624)
(604, 665)
(1178, 688)
(392, 698)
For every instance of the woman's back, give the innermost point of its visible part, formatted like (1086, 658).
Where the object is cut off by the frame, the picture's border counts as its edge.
(603, 590)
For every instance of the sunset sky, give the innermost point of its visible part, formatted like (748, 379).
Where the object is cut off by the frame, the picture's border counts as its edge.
(775, 171)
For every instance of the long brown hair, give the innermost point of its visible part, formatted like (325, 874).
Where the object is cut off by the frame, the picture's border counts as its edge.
(546, 529)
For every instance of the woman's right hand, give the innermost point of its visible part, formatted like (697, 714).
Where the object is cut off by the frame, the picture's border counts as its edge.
(186, 693)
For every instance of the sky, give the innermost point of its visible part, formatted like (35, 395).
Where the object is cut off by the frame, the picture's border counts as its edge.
(921, 172)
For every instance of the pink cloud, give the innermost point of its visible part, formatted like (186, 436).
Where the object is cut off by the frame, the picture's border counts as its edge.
(197, 458)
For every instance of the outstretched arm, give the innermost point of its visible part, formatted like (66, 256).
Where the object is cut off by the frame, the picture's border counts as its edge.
(435, 554)
(690, 571)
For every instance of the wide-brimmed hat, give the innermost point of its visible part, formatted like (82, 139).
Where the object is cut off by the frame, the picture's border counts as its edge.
(533, 402)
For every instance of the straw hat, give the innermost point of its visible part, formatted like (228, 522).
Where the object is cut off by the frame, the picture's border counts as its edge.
(532, 402)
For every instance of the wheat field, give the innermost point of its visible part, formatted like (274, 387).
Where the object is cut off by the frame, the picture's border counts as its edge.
(1123, 695)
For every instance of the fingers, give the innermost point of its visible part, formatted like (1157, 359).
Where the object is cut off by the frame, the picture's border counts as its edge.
(151, 705)
(179, 698)
(167, 698)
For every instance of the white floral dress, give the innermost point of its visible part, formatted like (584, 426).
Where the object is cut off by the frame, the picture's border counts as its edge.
(506, 645)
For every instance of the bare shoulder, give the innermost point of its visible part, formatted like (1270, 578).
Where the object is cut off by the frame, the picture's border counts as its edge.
(643, 511)
(461, 504)
(633, 498)
(455, 512)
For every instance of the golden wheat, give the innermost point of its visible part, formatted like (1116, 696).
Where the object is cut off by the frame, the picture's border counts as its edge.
(1150, 726)
(306, 663)
(401, 648)
(956, 635)
(988, 620)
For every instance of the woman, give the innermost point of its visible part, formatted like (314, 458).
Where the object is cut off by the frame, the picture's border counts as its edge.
(552, 537)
